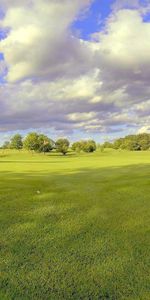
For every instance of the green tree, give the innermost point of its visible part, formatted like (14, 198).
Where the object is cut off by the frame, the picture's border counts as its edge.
(62, 146)
(86, 146)
(45, 144)
(77, 146)
(31, 142)
(118, 143)
(108, 145)
(16, 142)
(131, 145)
(89, 146)
(144, 141)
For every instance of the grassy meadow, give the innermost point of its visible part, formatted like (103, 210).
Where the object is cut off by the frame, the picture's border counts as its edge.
(75, 226)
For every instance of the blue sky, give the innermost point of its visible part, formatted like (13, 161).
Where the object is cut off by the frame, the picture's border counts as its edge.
(95, 18)
(56, 78)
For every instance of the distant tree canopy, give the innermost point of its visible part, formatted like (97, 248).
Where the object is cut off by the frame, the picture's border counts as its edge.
(16, 142)
(62, 146)
(38, 142)
(131, 142)
(42, 143)
(108, 145)
(31, 142)
(45, 143)
(86, 146)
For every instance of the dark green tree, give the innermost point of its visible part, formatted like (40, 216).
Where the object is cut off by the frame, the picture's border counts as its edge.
(144, 141)
(89, 146)
(86, 146)
(133, 142)
(45, 144)
(131, 145)
(16, 142)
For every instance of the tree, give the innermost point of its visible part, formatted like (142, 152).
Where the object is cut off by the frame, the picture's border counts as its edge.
(118, 143)
(108, 145)
(16, 142)
(131, 145)
(62, 146)
(45, 144)
(31, 142)
(144, 141)
(77, 146)
(86, 146)
(133, 142)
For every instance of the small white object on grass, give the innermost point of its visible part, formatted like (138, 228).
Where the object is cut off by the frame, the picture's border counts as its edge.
(38, 192)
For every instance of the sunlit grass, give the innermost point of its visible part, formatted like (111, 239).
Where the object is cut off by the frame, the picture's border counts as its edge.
(75, 227)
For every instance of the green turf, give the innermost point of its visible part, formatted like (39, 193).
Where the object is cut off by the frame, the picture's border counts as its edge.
(84, 235)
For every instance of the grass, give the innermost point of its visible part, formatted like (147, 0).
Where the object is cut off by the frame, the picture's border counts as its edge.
(75, 227)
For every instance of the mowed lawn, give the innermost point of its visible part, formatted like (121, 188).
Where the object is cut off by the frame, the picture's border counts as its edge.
(75, 227)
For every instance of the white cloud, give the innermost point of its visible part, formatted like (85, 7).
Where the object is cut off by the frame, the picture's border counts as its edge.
(40, 44)
(60, 81)
(125, 45)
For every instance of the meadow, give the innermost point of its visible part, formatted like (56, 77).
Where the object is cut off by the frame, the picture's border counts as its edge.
(75, 226)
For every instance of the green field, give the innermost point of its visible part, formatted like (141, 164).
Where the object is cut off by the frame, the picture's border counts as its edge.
(75, 226)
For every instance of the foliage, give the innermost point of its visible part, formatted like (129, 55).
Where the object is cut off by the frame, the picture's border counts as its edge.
(108, 145)
(131, 142)
(118, 143)
(45, 144)
(89, 146)
(77, 146)
(144, 141)
(16, 142)
(86, 146)
(38, 142)
(42, 143)
(62, 146)
(31, 142)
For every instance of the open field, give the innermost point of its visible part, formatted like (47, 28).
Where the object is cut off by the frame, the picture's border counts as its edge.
(75, 227)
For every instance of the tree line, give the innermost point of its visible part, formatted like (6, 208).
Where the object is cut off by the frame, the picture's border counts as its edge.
(131, 142)
(41, 143)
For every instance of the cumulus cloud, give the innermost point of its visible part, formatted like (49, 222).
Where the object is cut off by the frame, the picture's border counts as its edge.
(40, 44)
(122, 53)
(124, 47)
(54, 79)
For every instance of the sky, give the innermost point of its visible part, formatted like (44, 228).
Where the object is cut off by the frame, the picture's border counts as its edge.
(77, 69)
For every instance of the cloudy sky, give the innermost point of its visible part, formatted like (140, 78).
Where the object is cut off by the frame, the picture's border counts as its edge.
(75, 68)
